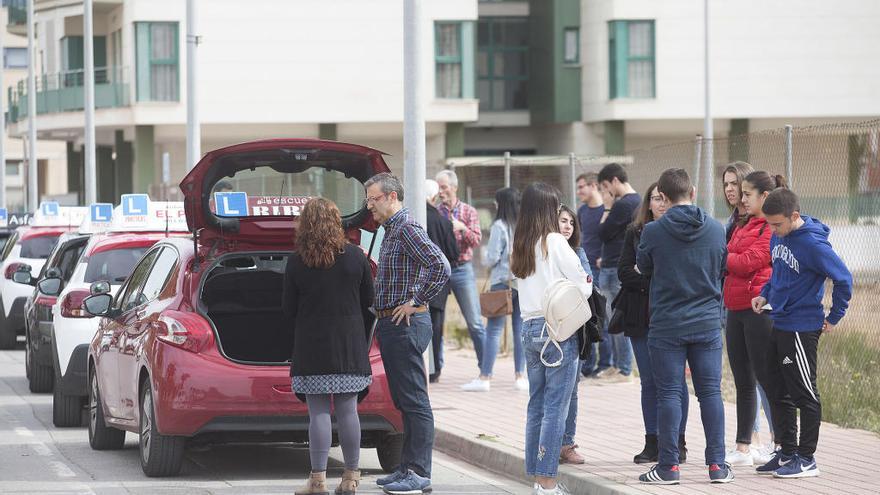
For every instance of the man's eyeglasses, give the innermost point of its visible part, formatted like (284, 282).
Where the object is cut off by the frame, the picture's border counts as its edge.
(375, 199)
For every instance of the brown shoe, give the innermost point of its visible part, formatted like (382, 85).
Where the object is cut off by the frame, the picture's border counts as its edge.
(317, 484)
(568, 455)
(349, 484)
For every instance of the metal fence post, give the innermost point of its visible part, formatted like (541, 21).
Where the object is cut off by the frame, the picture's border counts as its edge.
(698, 157)
(789, 168)
(506, 169)
(572, 161)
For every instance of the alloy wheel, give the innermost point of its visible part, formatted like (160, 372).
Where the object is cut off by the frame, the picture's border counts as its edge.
(146, 426)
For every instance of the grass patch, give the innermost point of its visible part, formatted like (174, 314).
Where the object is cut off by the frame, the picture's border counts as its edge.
(849, 380)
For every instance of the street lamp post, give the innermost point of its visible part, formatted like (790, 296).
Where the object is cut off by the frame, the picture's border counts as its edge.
(91, 194)
(413, 118)
(33, 200)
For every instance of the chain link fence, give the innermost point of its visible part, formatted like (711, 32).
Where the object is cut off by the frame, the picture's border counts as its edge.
(834, 169)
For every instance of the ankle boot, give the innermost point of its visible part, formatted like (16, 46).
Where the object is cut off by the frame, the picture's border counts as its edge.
(317, 484)
(682, 450)
(649, 453)
(349, 484)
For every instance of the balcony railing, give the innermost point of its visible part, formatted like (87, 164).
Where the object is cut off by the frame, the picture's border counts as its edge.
(17, 12)
(63, 92)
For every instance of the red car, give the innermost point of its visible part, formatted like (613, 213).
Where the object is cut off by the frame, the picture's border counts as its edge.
(194, 347)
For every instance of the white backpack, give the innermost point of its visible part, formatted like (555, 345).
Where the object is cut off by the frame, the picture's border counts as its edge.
(566, 310)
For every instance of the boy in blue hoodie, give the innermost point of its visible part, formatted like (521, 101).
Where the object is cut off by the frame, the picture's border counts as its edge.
(684, 252)
(802, 260)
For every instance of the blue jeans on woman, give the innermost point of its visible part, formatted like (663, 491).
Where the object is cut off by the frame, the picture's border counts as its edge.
(494, 327)
(702, 352)
(649, 388)
(549, 398)
(464, 287)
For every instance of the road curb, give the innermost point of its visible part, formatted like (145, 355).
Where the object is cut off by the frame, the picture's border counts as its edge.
(509, 461)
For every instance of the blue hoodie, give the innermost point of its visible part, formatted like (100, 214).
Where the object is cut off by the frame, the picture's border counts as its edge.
(684, 252)
(802, 261)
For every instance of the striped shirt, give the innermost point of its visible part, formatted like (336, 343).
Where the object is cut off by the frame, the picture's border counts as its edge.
(411, 267)
(467, 239)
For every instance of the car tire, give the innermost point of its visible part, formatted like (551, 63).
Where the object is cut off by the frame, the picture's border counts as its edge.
(101, 436)
(41, 377)
(27, 358)
(66, 409)
(389, 451)
(161, 455)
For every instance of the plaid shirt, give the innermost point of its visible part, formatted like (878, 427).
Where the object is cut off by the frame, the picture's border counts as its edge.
(467, 239)
(411, 267)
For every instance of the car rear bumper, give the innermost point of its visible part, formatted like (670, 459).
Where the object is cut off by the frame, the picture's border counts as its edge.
(75, 379)
(198, 394)
(15, 319)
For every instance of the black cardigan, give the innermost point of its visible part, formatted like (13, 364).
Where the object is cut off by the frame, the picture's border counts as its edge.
(633, 286)
(440, 232)
(328, 309)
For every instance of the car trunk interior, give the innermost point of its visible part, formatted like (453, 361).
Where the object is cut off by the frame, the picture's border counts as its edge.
(242, 297)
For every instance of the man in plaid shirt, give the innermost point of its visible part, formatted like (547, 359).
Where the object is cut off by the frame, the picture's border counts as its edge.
(463, 283)
(411, 271)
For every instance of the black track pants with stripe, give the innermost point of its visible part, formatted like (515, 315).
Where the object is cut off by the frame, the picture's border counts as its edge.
(792, 380)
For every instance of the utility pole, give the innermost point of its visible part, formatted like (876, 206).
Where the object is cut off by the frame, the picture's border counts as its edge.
(708, 132)
(91, 195)
(414, 161)
(2, 136)
(33, 199)
(193, 124)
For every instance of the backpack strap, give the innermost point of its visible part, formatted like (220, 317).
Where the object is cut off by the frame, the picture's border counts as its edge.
(544, 348)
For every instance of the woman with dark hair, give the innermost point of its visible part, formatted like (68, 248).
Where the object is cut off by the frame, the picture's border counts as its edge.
(328, 288)
(634, 297)
(748, 333)
(500, 278)
(541, 256)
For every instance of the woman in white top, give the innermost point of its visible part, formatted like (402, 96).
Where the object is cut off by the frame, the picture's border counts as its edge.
(541, 255)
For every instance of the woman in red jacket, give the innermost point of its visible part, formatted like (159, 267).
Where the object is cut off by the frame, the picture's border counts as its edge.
(748, 333)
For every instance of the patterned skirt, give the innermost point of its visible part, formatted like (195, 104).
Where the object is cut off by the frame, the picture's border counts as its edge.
(330, 384)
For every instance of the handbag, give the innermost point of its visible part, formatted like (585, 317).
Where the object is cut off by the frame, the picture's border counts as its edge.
(494, 303)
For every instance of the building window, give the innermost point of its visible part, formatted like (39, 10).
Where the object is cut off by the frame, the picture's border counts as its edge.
(158, 61)
(502, 63)
(15, 58)
(571, 46)
(631, 59)
(448, 59)
(13, 169)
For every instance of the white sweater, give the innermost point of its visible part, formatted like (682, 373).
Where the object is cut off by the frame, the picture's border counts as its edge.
(561, 262)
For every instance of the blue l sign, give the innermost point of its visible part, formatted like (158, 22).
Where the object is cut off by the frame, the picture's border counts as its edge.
(4, 217)
(231, 204)
(135, 204)
(49, 209)
(101, 212)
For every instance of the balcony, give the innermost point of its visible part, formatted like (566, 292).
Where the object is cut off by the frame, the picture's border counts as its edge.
(16, 22)
(63, 92)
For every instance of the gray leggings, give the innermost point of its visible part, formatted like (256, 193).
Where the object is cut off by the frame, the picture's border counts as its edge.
(348, 427)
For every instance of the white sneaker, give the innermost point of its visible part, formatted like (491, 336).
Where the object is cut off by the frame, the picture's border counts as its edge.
(476, 385)
(521, 384)
(559, 489)
(737, 458)
(762, 455)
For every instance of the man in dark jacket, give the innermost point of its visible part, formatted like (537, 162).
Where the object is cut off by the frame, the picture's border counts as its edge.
(440, 232)
(684, 254)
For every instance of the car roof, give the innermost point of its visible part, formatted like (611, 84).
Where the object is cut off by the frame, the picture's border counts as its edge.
(33, 232)
(104, 242)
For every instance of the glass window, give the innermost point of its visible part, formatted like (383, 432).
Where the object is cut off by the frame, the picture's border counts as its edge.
(448, 59)
(13, 169)
(15, 58)
(38, 247)
(114, 265)
(157, 61)
(128, 293)
(69, 257)
(631, 59)
(159, 275)
(571, 46)
(502, 63)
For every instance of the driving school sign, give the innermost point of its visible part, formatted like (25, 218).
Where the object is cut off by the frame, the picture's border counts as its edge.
(239, 204)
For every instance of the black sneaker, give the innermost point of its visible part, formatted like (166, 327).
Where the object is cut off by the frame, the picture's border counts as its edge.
(658, 476)
(777, 461)
(800, 467)
(720, 473)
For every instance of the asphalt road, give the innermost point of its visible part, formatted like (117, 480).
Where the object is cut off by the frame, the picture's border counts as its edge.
(36, 457)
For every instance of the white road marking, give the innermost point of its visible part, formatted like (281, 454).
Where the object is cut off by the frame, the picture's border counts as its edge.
(61, 470)
(22, 431)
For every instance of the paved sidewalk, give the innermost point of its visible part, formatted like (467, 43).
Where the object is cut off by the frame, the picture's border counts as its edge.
(487, 429)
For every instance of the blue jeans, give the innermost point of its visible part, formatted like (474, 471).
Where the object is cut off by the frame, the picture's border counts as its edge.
(615, 350)
(549, 398)
(764, 402)
(571, 419)
(464, 286)
(494, 327)
(649, 389)
(702, 351)
(402, 347)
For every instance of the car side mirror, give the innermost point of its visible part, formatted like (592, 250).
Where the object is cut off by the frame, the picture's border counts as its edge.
(99, 287)
(50, 286)
(98, 304)
(23, 277)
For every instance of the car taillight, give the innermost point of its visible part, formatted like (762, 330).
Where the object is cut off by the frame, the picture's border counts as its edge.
(72, 304)
(185, 330)
(12, 268)
(42, 300)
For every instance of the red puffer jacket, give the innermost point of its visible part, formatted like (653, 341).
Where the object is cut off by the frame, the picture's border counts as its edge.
(748, 264)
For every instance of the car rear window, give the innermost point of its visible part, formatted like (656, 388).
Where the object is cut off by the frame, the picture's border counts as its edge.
(38, 247)
(114, 265)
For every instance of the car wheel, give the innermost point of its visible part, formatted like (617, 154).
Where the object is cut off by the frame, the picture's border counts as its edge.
(27, 357)
(101, 436)
(66, 409)
(389, 451)
(41, 377)
(161, 455)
